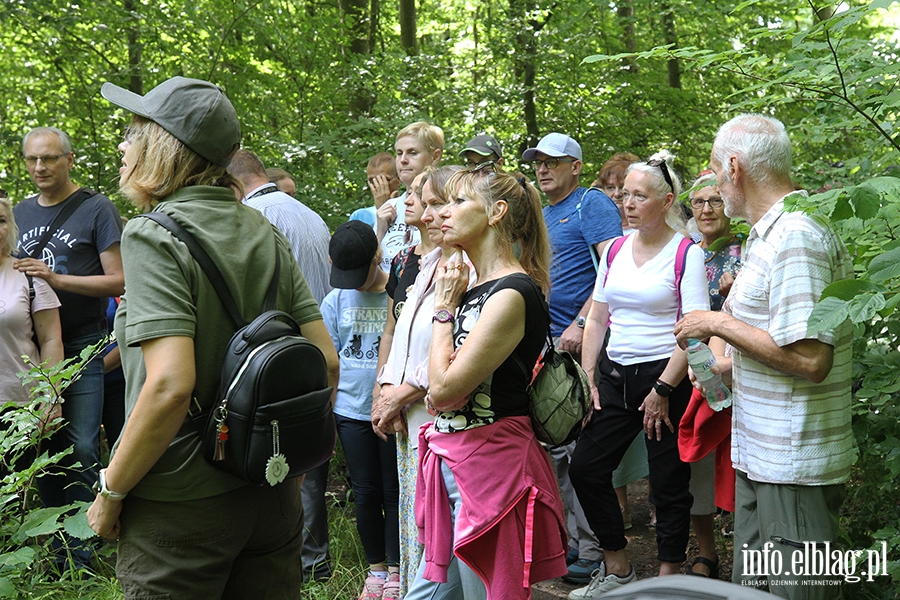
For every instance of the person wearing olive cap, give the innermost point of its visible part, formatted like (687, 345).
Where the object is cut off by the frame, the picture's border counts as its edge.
(482, 148)
(186, 529)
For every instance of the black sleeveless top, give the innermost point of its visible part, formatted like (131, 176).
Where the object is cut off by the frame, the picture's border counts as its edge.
(503, 393)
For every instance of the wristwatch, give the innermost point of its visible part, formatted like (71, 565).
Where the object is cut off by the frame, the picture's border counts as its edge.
(579, 322)
(443, 316)
(662, 388)
(100, 488)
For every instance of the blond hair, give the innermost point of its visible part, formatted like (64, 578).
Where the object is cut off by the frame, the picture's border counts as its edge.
(12, 238)
(164, 165)
(430, 136)
(522, 228)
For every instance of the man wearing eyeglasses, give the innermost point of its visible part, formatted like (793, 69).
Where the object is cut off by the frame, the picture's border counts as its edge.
(580, 222)
(80, 260)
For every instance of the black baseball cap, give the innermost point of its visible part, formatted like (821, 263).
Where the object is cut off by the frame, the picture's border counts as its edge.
(352, 248)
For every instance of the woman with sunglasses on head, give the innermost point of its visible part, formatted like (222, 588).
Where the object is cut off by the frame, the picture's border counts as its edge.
(483, 473)
(639, 380)
(710, 474)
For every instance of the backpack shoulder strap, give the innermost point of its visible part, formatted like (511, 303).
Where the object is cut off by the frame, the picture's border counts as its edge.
(614, 247)
(207, 265)
(71, 205)
(680, 259)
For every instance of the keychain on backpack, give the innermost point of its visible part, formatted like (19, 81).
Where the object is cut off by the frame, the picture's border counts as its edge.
(221, 433)
(277, 467)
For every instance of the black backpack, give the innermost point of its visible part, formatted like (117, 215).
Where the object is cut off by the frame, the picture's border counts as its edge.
(272, 418)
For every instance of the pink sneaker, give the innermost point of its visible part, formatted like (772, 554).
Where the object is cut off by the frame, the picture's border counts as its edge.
(373, 588)
(392, 588)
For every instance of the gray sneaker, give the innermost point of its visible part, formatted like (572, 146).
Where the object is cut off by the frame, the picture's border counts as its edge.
(601, 583)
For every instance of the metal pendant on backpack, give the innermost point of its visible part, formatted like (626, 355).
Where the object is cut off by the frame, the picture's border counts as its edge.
(277, 466)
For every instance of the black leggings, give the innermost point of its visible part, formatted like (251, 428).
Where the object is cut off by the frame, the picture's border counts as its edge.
(603, 444)
(376, 489)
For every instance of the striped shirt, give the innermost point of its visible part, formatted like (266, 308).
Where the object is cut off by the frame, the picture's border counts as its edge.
(786, 429)
(307, 233)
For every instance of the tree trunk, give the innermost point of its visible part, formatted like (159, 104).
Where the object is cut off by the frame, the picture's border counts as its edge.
(625, 12)
(133, 34)
(673, 64)
(408, 39)
(357, 17)
(374, 11)
(524, 64)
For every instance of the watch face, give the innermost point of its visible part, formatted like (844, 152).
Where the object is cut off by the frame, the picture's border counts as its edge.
(443, 316)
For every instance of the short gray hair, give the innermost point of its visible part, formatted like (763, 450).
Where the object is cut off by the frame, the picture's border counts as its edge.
(64, 140)
(762, 145)
(698, 183)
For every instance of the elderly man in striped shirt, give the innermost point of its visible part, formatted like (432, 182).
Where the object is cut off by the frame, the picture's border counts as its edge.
(792, 444)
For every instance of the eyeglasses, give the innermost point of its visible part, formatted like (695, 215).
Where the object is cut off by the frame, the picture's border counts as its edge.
(714, 202)
(487, 165)
(550, 163)
(665, 171)
(471, 164)
(612, 190)
(48, 160)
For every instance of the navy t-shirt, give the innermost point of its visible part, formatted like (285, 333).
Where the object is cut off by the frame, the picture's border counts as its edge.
(73, 250)
(572, 273)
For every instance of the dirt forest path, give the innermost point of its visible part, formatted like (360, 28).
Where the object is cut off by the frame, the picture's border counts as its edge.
(642, 547)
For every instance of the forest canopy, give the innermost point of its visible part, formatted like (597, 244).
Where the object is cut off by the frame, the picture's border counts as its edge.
(322, 85)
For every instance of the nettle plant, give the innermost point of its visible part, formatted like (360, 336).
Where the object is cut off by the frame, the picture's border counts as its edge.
(26, 528)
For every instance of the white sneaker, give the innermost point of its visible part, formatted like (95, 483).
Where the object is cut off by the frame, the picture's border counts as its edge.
(601, 583)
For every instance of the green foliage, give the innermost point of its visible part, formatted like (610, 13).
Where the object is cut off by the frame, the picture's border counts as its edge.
(867, 222)
(26, 529)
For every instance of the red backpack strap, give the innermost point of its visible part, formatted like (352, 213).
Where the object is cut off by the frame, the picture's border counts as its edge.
(614, 247)
(680, 259)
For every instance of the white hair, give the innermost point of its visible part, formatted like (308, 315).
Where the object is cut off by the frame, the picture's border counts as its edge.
(698, 183)
(660, 186)
(761, 144)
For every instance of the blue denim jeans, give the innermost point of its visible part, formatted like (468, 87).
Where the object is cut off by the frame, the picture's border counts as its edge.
(462, 582)
(82, 412)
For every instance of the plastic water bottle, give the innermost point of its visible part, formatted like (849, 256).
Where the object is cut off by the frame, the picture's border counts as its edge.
(701, 359)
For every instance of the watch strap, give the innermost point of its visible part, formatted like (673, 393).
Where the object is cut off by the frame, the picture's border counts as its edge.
(443, 316)
(663, 389)
(105, 491)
